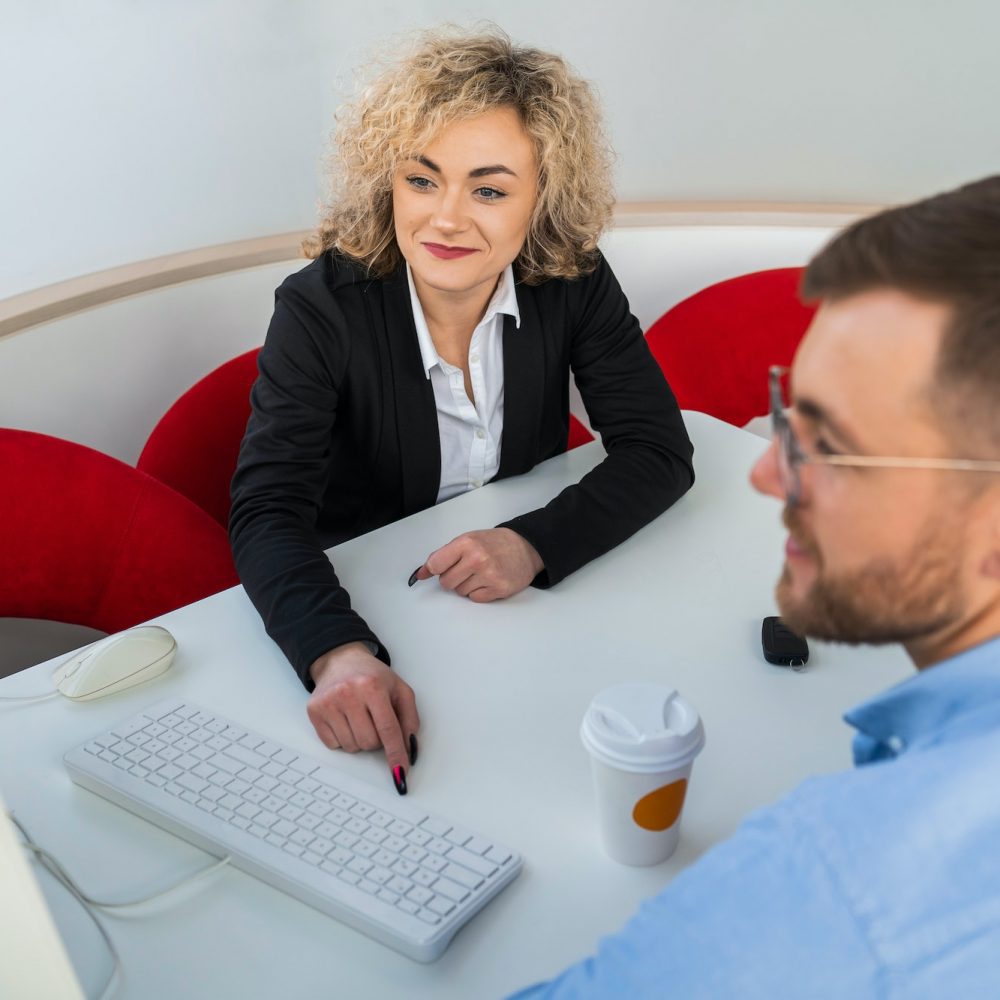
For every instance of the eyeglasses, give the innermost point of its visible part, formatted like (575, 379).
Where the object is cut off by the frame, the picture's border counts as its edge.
(791, 456)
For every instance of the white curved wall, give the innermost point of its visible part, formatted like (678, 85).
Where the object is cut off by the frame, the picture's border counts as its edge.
(133, 129)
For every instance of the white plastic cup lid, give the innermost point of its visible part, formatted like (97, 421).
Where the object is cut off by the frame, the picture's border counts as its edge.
(642, 727)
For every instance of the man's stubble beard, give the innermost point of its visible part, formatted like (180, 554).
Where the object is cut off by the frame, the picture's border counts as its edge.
(885, 601)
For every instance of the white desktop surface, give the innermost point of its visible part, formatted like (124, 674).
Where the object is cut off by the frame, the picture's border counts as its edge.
(501, 690)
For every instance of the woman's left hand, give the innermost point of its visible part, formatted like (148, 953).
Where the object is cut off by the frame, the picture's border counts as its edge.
(484, 565)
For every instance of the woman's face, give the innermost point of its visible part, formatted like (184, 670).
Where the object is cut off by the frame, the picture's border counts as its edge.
(461, 208)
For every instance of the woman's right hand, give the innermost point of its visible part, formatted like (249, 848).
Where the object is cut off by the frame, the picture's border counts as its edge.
(360, 704)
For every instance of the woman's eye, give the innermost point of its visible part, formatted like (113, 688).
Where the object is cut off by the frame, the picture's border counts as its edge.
(420, 183)
(490, 194)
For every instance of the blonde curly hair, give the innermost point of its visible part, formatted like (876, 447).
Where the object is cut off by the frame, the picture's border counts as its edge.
(448, 76)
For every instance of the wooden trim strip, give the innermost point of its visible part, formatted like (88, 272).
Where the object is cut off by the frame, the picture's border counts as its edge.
(64, 298)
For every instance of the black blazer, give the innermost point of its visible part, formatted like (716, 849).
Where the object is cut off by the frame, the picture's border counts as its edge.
(343, 436)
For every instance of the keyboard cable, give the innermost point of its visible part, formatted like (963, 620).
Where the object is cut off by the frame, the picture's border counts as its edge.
(49, 862)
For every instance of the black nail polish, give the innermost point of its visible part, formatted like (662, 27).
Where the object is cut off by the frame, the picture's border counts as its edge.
(413, 750)
(399, 779)
(413, 577)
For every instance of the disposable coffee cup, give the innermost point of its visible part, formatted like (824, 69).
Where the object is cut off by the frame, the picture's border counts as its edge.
(642, 739)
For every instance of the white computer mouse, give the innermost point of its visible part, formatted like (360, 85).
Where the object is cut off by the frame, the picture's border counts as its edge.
(115, 663)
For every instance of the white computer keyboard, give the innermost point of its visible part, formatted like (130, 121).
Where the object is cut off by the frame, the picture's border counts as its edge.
(375, 860)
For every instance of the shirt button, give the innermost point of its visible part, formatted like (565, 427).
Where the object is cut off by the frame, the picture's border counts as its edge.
(477, 483)
(474, 359)
(480, 433)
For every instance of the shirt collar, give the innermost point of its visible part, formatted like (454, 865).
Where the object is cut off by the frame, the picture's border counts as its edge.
(504, 300)
(952, 698)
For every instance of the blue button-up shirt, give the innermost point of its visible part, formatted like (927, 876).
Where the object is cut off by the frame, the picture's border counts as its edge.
(883, 881)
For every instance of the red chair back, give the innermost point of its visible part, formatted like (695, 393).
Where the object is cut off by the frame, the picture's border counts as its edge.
(715, 347)
(89, 540)
(195, 445)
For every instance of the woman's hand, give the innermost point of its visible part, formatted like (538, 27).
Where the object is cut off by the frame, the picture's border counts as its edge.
(360, 704)
(484, 565)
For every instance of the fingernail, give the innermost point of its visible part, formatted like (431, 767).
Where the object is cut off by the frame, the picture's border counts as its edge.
(413, 750)
(413, 577)
(399, 779)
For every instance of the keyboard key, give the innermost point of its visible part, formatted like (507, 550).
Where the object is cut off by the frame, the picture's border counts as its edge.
(359, 809)
(419, 837)
(330, 867)
(413, 853)
(408, 906)
(237, 786)
(272, 768)
(429, 916)
(425, 878)
(368, 886)
(229, 800)
(283, 757)
(435, 827)
(227, 814)
(303, 837)
(340, 855)
(398, 827)
(266, 782)
(321, 846)
(378, 818)
(304, 766)
(454, 891)
(399, 885)
(273, 838)
(250, 757)
(308, 821)
(458, 837)
(375, 835)
(296, 850)
(254, 795)
(380, 874)
(404, 867)
(290, 812)
(462, 875)
(307, 785)
(169, 771)
(365, 848)
(325, 794)
(394, 844)
(348, 876)
(311, 857)
(479, 865)
(498, 856)
(216, 725)
(477, 845)
(439, 846)
(361, 866)
(283, 827)
(387, 895)
(240, 822)
(189, 796)
(441, 906)
(383, 857)
(344, 801)
(224, 763)
(435, 863)
(420, 894)
(266, 748)
(250, 741)
(192, 782)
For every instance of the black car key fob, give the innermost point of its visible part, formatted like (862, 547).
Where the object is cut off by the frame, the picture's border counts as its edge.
(782, 646)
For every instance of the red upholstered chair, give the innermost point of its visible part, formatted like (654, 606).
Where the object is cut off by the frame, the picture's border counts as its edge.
(715, 346)
(89, 540)
(578, 434)
(194, 447)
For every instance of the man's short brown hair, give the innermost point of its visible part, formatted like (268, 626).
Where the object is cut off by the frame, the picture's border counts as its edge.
(943, 249)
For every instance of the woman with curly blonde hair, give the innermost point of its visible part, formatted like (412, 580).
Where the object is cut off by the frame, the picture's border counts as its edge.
(427, 349)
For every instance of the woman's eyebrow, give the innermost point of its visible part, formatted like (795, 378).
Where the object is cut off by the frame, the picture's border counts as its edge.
(496, 168)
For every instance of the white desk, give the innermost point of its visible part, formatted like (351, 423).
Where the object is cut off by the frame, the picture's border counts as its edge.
(681, 602)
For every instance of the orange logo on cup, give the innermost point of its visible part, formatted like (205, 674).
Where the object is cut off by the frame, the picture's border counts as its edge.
(661, 808)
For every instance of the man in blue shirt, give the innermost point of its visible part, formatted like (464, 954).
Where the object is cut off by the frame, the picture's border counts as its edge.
(883, 881)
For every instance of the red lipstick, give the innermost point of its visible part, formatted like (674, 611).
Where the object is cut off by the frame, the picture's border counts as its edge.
(443, 252)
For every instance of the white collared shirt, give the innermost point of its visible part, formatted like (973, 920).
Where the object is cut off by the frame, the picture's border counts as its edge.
(470, 434)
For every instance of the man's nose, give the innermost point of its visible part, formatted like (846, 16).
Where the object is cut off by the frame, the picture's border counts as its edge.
(764, 476)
